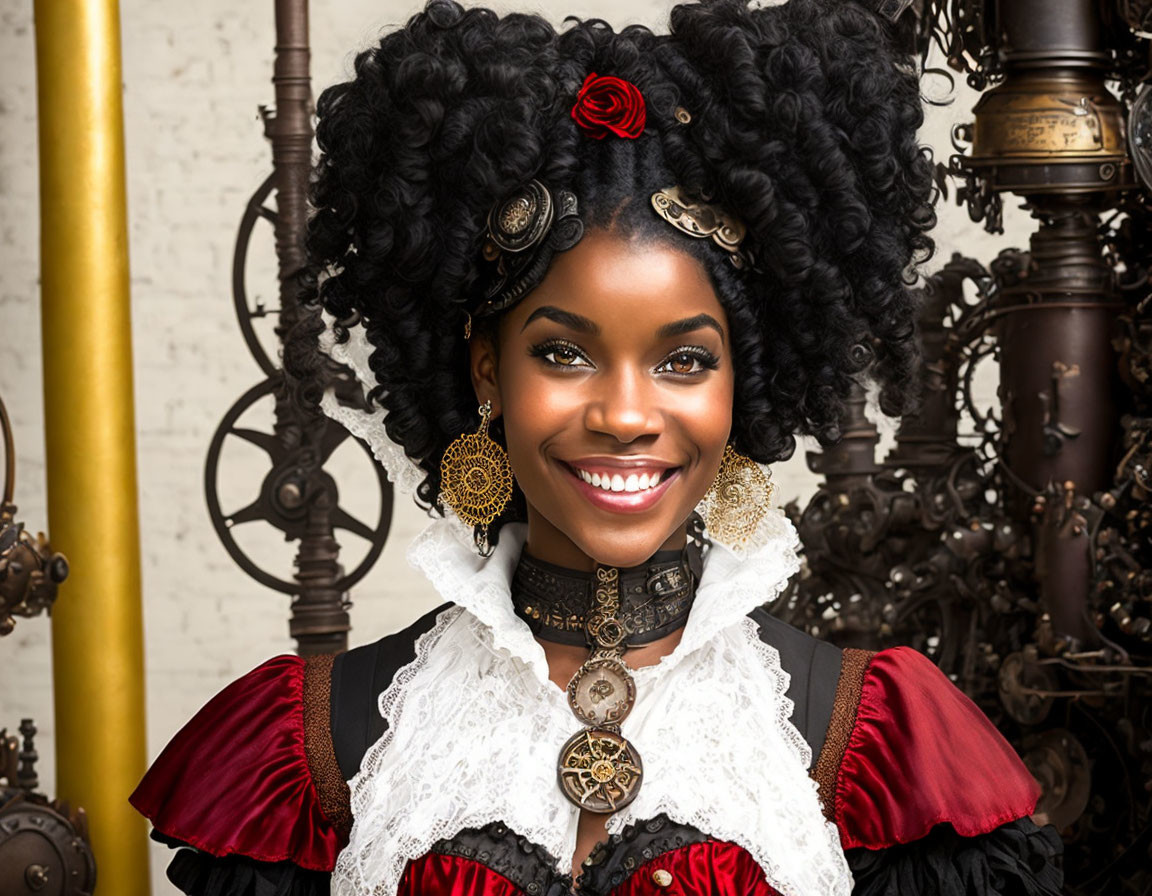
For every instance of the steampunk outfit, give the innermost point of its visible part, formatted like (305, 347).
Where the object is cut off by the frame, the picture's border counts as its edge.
(425, 763)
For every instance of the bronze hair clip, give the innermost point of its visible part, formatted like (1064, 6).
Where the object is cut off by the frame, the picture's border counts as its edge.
(702, 220)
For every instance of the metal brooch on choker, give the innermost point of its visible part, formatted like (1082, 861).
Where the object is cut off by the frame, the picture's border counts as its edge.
(599, 769)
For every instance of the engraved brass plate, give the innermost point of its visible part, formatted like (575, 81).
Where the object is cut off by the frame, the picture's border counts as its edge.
(599, 771)
(1050, 121)
(602, 692)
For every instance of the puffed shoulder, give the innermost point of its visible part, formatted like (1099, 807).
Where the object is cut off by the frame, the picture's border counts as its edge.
(253, 773)
(906, 750)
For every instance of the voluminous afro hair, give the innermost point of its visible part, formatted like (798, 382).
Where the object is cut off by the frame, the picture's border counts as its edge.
(803, 124)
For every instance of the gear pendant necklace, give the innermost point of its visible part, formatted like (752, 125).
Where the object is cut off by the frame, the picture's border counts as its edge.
(598, 769)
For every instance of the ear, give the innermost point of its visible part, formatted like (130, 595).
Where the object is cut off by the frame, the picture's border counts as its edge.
(484, 367)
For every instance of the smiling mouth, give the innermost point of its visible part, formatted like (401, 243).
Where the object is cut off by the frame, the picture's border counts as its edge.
(622, 482)
(622, 489)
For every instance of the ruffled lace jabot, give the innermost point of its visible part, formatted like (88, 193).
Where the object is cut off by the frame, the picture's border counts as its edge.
(475, 726)
(730, 587)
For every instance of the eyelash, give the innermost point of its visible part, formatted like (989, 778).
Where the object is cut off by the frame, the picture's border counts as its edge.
(697, 352)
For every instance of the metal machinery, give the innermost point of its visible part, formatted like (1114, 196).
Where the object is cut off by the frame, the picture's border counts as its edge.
(296, 495)
(44, 845)
(1012, 543)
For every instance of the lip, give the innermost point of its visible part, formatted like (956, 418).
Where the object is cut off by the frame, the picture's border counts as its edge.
(631, 463)
(622, 502)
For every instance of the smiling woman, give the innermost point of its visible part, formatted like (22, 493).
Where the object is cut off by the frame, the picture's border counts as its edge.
(615, 371)
(590, 282)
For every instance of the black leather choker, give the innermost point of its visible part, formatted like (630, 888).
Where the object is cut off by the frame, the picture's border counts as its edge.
(655, 598)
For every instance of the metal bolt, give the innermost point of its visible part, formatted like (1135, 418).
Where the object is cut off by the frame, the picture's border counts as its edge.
(36, 876)
(290, 495)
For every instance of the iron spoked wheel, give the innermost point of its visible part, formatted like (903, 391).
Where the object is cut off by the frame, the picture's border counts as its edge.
(280, 501)
(254, 211)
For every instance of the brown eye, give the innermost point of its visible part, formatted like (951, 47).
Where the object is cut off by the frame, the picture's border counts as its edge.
(683, 363)
(560, 354)
(690, 361)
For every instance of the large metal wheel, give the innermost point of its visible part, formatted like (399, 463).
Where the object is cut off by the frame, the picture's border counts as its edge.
(281, 498)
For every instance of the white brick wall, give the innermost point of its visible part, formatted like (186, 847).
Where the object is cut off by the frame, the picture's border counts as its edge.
(194, 74)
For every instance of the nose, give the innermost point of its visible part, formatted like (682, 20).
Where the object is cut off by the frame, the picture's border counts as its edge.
(624, 406)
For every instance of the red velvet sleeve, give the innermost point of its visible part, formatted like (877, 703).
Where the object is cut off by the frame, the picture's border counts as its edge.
(921, 753)
(437, 875)
(236, 780)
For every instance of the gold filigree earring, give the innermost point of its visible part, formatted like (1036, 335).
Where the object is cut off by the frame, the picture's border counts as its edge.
(476, 479)
(737, 500)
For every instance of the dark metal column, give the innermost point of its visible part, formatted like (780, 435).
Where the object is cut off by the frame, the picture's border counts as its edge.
(1052, 133)
(319, 620)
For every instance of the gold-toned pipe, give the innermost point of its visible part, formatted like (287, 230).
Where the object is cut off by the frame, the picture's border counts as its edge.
(97, 632)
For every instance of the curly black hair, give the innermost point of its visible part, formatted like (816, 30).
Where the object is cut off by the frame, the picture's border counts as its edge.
(803, 124)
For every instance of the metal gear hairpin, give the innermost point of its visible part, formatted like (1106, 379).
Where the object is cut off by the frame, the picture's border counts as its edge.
(703, 220)
(526, 228)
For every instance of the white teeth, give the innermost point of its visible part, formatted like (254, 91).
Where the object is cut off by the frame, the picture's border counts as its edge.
(617, 483)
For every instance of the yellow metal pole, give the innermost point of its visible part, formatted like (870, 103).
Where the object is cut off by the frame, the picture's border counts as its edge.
(97, 631)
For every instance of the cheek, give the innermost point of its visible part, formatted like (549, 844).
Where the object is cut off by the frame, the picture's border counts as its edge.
(535, 409)
(707, 415)
(539, 404)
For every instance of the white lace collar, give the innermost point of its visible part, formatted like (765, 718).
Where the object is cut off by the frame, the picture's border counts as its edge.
(475, 725)
(730, 586)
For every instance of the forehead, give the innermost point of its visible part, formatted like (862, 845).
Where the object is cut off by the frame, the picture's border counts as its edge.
(616, 280)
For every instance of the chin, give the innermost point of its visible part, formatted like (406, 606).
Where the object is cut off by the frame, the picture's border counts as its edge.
(625, 549)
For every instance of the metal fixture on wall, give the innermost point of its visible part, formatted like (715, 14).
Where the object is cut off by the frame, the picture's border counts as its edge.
(1015, 551)
(30, 570)
(296, 495)
(44, 845)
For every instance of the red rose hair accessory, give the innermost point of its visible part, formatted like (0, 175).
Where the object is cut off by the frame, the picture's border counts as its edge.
(609, 105)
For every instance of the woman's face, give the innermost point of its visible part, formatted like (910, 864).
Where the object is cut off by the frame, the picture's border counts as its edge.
(614, 379)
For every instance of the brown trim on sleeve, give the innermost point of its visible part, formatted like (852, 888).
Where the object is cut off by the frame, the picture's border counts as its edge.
(335, 798)
(853, 665)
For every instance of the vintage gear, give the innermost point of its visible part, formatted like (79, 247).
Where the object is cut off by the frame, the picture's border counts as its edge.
(476, 478)
(526, 229)
(529, 226)
(599, 770)
(611, 610)
(655, 598)
(738, 499)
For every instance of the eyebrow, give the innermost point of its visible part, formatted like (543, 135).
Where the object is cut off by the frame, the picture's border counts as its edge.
(688, 324)
(576, 322)
(582, 324)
